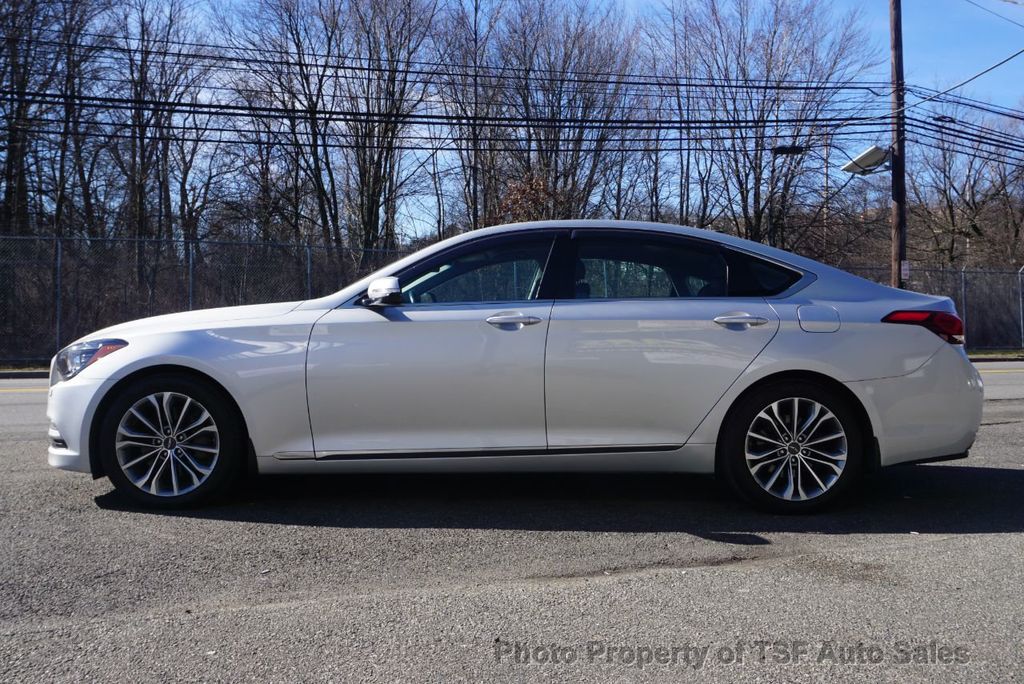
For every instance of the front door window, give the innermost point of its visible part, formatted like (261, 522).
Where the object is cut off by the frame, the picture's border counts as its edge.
(502, 272)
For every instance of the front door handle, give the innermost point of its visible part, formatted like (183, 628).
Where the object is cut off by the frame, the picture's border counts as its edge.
(739, 318)
(511, 320)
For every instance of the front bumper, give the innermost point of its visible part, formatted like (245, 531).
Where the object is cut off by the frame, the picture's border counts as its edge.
(70, 407)
(930, 413)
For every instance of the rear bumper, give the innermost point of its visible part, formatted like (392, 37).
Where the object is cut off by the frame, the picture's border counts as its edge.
(928, 414)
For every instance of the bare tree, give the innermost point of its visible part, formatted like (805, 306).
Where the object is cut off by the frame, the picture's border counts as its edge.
(158, 76)
(385, 41)
(1006, 223)
(470, 88)
(26, 69)
(562, 146)
(673, 58)
(288, 47)
(358, 125)
(739, 43)
(952, 187)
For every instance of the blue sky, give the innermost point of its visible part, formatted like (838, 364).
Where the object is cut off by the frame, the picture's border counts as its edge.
(947, 41)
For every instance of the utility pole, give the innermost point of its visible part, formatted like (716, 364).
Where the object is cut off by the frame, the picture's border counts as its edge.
(900, 267)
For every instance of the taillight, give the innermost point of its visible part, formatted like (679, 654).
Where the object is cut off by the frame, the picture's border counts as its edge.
(946, 325)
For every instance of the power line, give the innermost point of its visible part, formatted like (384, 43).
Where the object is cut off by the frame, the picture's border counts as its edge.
(706, 91)
(942, 93)
(990, 133)
(964, 135)
(174, 132)
(408, 118)
(239, 92)
(935, 141)
(993, 12)
(961, 84)
(983, 135)
(428, 67)
(938, 144)
(978, 105)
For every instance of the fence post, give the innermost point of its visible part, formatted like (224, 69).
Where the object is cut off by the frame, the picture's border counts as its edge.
(1020, 303)
(309, 271)
(58, 288)
(190, 254)
(963, 299)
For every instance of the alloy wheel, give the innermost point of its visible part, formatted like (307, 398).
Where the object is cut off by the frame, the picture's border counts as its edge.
(796, 449)
(167, 444)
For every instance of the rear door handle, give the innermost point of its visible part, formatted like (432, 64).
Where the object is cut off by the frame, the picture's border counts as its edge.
(512, 320)
(739, 318)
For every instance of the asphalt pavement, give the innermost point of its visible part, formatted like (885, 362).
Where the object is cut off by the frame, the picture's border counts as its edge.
(515, 578)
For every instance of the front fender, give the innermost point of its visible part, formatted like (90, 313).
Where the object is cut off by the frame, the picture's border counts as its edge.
(261, 365)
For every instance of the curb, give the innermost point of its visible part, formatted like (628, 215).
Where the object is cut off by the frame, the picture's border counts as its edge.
(1002, 359)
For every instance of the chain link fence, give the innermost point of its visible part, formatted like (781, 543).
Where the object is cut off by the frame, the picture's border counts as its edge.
(990, 302)
(55, 290)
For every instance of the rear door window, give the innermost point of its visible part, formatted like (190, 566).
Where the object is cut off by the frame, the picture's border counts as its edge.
(642, 267)
(621, 265)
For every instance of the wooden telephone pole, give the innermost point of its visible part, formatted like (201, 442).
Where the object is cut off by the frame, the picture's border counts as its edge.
(900, 267)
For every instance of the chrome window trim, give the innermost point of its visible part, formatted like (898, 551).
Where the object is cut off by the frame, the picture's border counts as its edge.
(806, 277)
(553, 233)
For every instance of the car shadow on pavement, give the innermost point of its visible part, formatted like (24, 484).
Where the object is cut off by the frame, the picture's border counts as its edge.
(930, 499)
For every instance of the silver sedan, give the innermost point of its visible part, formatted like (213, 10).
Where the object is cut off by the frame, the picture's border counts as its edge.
(567, 345)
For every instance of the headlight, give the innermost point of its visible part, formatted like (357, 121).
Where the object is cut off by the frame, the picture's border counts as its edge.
(72, 360)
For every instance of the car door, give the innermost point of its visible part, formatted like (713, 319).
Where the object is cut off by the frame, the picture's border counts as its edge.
(457, 366)
(647, 339)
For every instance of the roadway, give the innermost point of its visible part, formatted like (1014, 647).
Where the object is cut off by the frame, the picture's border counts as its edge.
(438, 578)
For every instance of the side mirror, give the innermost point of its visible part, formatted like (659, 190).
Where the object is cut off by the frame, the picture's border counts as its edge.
(384, 292)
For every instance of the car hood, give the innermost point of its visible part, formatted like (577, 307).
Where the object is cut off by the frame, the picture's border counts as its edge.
(191, 320)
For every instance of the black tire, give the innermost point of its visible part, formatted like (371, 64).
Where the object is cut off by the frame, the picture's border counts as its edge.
(732, 461)
(230, 442)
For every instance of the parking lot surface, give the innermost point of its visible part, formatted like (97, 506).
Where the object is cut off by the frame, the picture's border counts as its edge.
(495, 578)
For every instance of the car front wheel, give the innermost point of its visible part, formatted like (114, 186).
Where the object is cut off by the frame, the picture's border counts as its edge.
(169, 441)
(791, 447)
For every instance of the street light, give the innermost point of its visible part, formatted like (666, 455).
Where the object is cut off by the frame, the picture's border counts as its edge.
(874, 160)
(871, 160)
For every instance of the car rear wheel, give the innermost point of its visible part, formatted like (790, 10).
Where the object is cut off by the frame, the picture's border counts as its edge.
(169, 441)
(791, 447)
